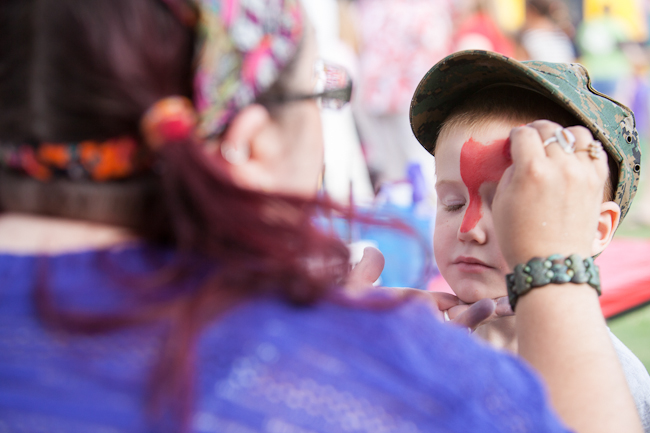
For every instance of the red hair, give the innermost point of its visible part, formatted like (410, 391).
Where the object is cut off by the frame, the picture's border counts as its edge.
(100, 66)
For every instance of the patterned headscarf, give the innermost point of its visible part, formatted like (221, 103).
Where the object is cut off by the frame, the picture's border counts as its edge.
(243, 47)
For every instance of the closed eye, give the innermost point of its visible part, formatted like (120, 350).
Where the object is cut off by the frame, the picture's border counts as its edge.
(454, 207)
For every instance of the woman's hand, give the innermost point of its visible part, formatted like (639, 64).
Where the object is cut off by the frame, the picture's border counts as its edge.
(548, 200)
(480, 313)
(368, 270)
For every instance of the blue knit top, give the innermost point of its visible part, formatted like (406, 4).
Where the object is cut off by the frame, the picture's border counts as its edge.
(265, 366)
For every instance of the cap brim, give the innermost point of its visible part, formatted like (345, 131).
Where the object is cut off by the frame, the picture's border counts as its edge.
(464, 73)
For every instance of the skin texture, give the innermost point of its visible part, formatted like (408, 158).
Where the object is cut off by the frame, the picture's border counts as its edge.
(286, 150)
(469, 166)
(367, 271)
(549, 202)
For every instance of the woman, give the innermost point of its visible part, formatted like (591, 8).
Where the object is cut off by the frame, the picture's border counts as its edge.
(160, 269)
(543, 37)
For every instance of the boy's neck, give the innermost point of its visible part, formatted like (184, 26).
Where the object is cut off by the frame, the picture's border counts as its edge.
(500, 333)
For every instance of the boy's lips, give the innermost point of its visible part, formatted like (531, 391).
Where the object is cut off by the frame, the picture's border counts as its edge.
(471, 264)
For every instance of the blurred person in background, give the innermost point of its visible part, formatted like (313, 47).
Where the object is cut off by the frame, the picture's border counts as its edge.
(636, 92)
(399, 40)
(477, 29)
(161, 271)
(542, 38)
(600, 43)
(346, 177)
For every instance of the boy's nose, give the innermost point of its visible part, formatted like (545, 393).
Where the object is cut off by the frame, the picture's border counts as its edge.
(472, 230)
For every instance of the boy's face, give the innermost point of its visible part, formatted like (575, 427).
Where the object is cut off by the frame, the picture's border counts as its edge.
(469, 167)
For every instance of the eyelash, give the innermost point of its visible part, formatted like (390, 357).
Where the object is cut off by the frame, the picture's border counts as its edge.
(454, 207)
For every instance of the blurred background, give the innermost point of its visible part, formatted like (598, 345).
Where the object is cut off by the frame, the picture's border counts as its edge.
(388, 46)
(374, 162)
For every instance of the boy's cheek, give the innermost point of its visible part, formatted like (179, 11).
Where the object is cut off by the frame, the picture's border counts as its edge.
(444, 238)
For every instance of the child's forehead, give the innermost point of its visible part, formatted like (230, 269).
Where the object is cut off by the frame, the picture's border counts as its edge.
(486, 129)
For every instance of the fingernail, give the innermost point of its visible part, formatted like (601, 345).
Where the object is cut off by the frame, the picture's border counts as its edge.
(503, 304)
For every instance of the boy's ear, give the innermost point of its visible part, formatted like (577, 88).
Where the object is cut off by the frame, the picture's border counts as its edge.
(610, 215)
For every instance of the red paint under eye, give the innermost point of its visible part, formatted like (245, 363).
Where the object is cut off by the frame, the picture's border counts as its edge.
(480, 163)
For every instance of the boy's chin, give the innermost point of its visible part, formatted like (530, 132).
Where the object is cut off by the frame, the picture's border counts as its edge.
(472, 291)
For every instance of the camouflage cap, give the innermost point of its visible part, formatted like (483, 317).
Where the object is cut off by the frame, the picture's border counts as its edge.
(464, 73)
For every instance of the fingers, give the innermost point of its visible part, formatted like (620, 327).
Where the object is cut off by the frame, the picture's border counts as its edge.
(454, 312)
(525, 144)
(546, 129)
(583, 136)
(444, 301)
(583, 140)
(544, 206)
(475, 314)
(596, 156)
(554, 137)
(368, 270)
(552, 133)
(503, 308)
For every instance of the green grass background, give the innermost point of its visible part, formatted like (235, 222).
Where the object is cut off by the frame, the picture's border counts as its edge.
(633, 329)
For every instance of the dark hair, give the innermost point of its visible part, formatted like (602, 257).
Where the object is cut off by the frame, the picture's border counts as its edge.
(542, 7)
(515, 105)
(78, 69)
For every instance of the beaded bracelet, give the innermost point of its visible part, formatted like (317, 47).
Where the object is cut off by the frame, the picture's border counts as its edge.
(555, 269)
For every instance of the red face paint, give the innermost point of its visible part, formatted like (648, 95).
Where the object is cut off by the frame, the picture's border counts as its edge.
(480, 163)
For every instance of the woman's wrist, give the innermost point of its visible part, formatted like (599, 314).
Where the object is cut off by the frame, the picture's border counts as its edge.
(554, 269)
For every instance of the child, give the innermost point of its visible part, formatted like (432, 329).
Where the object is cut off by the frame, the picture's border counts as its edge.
(463, 112)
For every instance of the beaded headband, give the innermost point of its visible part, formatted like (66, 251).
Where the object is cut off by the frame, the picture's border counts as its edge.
(112, 159)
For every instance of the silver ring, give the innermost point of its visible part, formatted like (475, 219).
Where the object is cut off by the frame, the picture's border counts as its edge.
(550, 140)
(564, 138)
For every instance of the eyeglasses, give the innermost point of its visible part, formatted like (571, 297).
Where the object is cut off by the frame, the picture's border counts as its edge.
(333, 88)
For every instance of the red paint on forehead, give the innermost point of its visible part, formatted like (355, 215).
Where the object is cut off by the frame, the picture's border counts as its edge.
(480, 163)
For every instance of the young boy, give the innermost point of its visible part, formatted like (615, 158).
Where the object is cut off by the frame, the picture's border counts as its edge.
(462, 112)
